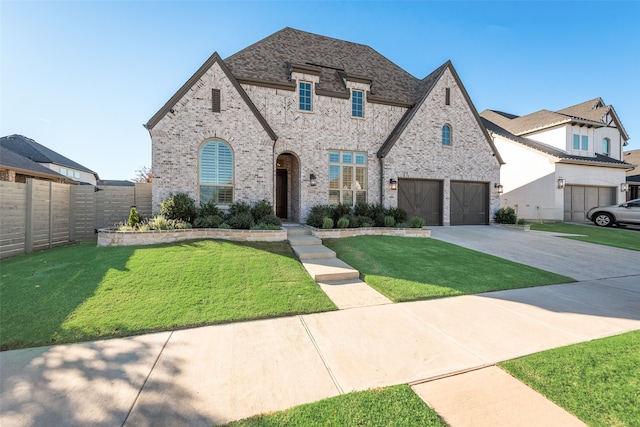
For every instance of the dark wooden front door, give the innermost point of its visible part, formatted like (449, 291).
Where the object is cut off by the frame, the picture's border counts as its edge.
(282, 191)
(469, 203)
(421, 197)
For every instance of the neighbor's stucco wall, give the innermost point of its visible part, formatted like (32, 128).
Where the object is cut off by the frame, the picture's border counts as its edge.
(593, 176)
(419, 153)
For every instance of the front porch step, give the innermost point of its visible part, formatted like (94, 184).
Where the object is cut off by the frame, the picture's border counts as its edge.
(303, 240)
(330, 270)
(306, 252)
(296, 230)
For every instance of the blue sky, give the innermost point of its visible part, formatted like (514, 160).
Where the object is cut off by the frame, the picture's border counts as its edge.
(82, 77)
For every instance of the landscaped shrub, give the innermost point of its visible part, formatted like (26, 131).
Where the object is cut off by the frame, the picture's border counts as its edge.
(327, 222)
(521, 221)
(354, 222)
(241, 220)
(365, 221)
(399, 214)
(340, 210)
(377, 214)
(389, 221)
(239, 207)
(134, 217)
(343, 222)
(224, 226)
(361, 209)
(263, 226)
(209, 209)
(261, 209)
(179, 206)
(270, 220)
(209, 221)
(416, 222)
(505, 216)
(402, 225)
(160, 222)
(317, 214)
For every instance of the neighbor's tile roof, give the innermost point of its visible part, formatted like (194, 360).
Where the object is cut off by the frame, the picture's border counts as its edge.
(30, 149)
(270, 58)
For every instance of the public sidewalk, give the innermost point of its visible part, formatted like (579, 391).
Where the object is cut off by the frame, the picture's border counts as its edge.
(216, 374)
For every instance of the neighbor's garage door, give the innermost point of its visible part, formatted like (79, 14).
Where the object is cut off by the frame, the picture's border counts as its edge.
(421, 197)
(578, 199)
(469, 203)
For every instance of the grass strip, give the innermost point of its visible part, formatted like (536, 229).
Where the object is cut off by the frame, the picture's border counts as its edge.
(83, 292)
(391, 406)
(598, 381)
(406, 269)
(616, 237)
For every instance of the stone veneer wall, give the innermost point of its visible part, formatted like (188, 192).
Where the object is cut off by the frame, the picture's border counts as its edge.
(108, 237)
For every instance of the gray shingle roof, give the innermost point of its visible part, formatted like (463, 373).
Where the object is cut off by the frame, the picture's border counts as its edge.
(547, 149)
(270, 59)
(27, 147)
(13, 160)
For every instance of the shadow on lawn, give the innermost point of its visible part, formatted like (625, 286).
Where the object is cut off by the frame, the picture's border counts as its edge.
(49, 286)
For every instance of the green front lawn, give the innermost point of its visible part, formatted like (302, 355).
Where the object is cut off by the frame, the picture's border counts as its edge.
(83, 292)
(391, 406)
(406, 269)
(617, 237)
(598, 381)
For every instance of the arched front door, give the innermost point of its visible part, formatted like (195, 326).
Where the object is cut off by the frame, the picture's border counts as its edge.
(287, 203)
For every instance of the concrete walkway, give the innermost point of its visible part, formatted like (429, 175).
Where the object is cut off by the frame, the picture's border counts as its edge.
(215, 374)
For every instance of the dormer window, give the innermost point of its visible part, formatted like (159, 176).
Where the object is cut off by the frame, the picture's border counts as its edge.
(304, 89)
(606, 146)
(580, 142)
(357, 103)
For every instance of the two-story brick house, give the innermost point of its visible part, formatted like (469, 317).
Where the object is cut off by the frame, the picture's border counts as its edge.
(301, 119)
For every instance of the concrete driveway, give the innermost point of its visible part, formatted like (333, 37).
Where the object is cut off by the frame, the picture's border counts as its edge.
(572, 258)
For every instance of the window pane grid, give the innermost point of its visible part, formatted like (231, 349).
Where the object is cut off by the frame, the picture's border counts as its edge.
(305, 96)
(446, 135)
(356, 103)
(347, 182)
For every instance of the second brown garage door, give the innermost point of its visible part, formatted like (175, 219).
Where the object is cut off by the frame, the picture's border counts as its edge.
(469, 203)
(421, 197)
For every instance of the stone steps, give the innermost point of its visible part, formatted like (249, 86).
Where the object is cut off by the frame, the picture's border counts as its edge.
(330, 270)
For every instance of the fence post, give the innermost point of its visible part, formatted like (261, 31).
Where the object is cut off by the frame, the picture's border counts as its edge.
(72, 213)
(50, 215)
(28, 243)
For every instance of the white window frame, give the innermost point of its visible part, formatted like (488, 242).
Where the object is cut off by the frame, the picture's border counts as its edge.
(350, 171)
(216, 185)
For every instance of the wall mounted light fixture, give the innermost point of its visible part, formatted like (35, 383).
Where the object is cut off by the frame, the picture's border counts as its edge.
(498, 187)
(312, 180)
(624, 187)
(393, 184)
(561, 182)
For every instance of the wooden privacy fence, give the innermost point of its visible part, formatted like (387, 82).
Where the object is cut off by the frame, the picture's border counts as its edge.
(41, 214)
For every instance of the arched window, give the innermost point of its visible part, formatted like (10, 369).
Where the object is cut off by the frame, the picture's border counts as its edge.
(446, 135)
(216, 172)
(606, 146)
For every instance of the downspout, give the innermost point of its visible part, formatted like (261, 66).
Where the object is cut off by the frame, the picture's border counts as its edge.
(381, 180)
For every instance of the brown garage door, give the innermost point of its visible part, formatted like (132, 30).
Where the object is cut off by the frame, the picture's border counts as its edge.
(421, 197)
(578, 199)
(469, 203)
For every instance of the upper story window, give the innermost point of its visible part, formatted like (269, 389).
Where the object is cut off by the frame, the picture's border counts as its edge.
(606, 146)
(304, 89)
(347, 177)
(216, 172)
(446, 135)
(580, 142)
(357, 103)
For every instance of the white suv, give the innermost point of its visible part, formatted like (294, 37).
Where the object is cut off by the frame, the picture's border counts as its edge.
(625, 213)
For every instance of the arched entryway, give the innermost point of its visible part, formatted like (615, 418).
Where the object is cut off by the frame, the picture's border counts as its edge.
(287, 203)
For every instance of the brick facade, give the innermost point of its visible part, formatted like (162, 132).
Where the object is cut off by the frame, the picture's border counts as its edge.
(309, 136)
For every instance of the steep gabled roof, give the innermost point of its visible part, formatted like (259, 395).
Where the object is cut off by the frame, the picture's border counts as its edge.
(12, 160)
(272, 59)
(214, 59)
(592, 112)
(426, 86)
(561, 155)
(27, 147)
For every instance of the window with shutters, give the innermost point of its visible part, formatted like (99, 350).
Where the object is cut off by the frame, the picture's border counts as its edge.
(216, 172)
(215, 100)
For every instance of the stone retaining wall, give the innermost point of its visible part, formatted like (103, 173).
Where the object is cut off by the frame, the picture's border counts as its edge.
(336, 233)
(107, 237)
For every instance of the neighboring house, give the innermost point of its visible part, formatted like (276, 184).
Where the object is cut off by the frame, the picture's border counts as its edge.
(28, 148)
(633, 175)
(301, 119)
(16, 168)
(560, 164)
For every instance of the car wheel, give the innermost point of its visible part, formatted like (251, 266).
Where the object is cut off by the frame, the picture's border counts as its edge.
(603, 219)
